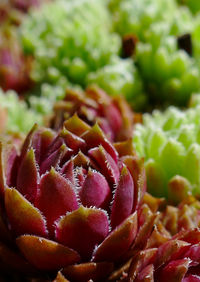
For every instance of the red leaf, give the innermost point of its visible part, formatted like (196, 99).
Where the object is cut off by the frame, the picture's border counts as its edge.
(22, 215)
(118, 241)
(95, 190)
(45, 254)
(82, 230)
(27, 177)
(123, 198)
(56, 197)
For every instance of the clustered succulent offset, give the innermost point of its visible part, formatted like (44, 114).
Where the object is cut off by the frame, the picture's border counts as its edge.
(169, 142)
(113, 115)
(175, 260)
(172, 250)
(70, 198)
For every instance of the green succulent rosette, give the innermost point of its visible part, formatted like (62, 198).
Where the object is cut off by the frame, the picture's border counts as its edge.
(167, 48)
(121, 77)
(18, 117)
(170, 74)
(170, 144)
(71, 37)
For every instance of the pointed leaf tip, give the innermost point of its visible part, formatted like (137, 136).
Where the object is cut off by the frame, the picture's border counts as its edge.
(21, 212)
(82, 230)
(46, 254)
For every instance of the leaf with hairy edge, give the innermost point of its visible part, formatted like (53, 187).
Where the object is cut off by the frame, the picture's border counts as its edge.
(28, 177)
(123, 199)
(46, 254)
(56, 196)
(82, 230)
(76, 125)
(23, 216)
(118, 241)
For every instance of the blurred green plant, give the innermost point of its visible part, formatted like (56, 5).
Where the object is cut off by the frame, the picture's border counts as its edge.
(19, 117)
(170, 144)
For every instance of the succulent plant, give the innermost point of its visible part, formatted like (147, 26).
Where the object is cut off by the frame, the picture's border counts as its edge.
(15, 116)
(135, 16)
(172, 256)
(166, 48)
(175, 260)
(185, 216)
(113, 115)
(170, 143)
(121, 76)
(170, 74)
(69, 199)
(65, 35)
(14, 66)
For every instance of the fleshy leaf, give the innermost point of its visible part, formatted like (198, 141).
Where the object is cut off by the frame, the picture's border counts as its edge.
(147, 274)
(56, 197)
(137, 170)
(170, 250)
(146, 220)
(123, 198)
(193, 253)
(22, 215)
(28, 141)
(175, 270)
(118, 241)
(190, 236)
(54, 159)
(107, 165)
(81, 160)
(140, 261)
(113, 116)
(88, 271)
(76, 125)
(178, 189)
(82, 230)
(68, 171)
(95, 137)
(73, 141)
(95, 190)
(27, 177)
(46, 254)
(125, 148)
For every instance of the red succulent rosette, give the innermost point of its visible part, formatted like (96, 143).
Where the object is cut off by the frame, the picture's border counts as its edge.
(113, 115)
(172, 251)
(175, 260)
(70, 200)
